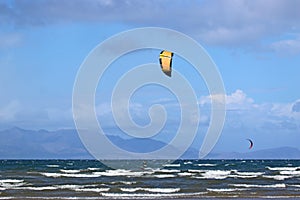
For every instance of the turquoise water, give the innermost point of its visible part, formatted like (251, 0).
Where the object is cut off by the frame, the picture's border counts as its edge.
(89, 179)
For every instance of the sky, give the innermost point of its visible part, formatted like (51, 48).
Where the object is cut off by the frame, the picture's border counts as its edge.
(255, 45)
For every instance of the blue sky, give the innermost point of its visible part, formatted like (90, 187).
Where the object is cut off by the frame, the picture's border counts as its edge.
(255, 44)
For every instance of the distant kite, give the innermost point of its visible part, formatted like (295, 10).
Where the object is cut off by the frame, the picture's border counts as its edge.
(165, 60)
(251, 143)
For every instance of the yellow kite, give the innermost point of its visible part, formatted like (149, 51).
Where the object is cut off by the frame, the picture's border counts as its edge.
(165, 59)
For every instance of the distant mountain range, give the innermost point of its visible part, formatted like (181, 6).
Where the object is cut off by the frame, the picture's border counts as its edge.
(274, 153)
(17, 143)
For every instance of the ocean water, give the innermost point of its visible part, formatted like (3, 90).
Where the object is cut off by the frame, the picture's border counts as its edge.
(183, 179)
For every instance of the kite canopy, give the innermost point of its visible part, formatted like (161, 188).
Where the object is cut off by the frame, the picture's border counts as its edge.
(165, 59)
(251, 143)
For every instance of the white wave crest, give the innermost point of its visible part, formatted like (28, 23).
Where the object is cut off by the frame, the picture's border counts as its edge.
(124, 182)
(283, 168)
(289, 172)
(164, 175)
(206, 165)
(57, 175)
(54, 166)
(249, 173)
(154, 190)
(150, 195)
(70, 171)
(167, 170)
(93, 169)
(185, 174)
(172, 165)
(298, 186)
(122, 172)
(92, 189)
(77, 188)
(278, 177)
(41, 188)
(241, 176)
(214, 174)
(70, 187)
(224, 189)
(11, 183)
(281, 185)
(196, 170)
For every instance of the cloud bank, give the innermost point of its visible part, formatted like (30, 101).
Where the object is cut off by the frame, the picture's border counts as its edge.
(242, 110)
(227, 23)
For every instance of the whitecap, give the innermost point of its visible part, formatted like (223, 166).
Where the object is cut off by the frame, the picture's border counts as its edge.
(11, 183)
(249, 173)
(93, 169)
(185, 174)
(280, 185)
(298, 186)
(164, 175)
(40, 188)
(129, 189)
(54, 166)
(242, 176)
(150, 195)
(224, 189)
(278, 197)
(122, 172)
(91, 189)
(196, 170)
(70, 187)
(124, 182)
(277, 177)
(57, 175)
(168, 170)
(214, 174)
(283, 168)
(206, 165)
(172, 165)
(289, 172)
(70, 171)
(154, 190)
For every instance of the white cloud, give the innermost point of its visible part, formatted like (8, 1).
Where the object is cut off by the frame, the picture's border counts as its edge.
(236, 100)
(242, 111)
(287, 47)
(222, 22)
(103, 109)
(20, 114)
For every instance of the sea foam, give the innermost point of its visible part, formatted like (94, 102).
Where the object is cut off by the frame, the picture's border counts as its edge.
(154, 190)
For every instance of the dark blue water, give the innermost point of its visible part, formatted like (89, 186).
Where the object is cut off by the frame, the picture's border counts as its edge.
(89, 179)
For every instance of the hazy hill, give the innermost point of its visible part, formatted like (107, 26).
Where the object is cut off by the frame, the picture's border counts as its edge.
(274, 153)
(18, 143)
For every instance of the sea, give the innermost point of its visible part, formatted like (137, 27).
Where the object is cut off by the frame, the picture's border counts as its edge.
(182, 179)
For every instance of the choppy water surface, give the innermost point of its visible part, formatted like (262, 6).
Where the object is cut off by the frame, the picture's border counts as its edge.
(88, 179)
